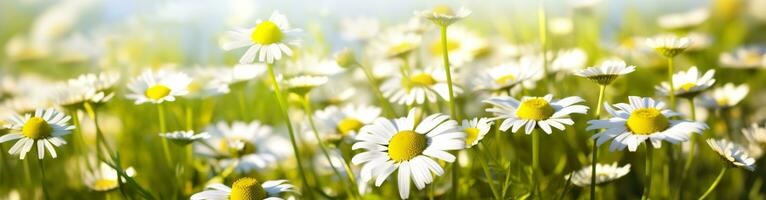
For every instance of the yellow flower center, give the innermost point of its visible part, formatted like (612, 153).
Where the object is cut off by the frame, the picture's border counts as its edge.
(400, 49)
(752, 58)
(105, 184)
(505, 79)
(687, 86)
(157, 92)
(646, 121)
(437, 49)
(723, 101)
(266, 33)
(247, 189)
(422, 79)
(534, 109)
(443, 9)
(36, 128)
(405, 145)
(227, 145)
(471, 135)
(349, 124)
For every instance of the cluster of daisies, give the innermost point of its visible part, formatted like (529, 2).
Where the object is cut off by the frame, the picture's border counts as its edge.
(407, 68)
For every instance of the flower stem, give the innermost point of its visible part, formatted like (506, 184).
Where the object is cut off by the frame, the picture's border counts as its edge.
(241, 100)
(692, 148)
(283, 109)
(672, 94)
(42, 180)
(602, 89)
(487, 173)
(715, 183)
(648, 172)
(163, 129)
(536, 163)
(452, 109)
(189, 117)
(374, 85)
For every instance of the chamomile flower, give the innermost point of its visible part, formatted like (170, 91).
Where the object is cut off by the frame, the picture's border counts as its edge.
(394, 43)
(408, 145)
(235, 77)
(725, 97)
(700, 41)
(311, 64)
(684, 20)
(419, 87)
(444, 15)
(531, 112)
(732, 154)
(93, 88)
(569, 60)
(158, 87)
(475, 130)
(668, 45)
(245, 188)
(302, 85)
(504, 77)
(607, 71)
(643, 119)
(45, 128)
(102, 82)
(744, 58)
(247, 145)
(346, 120)
(605, 173)
(463, 46)
(688, 83)
(184, 137)
(268, 40)
(755, 134)
(104, 178)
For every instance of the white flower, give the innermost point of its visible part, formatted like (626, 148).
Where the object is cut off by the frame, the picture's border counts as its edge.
(669, 45)
(726, 96)
(684, 20)
(408, 145)
(475, 130)
(755, 134)
(302, 85)
(311, 64)
(688, 84)
(420, 86)
(744, 58)
(184, 137)
(607, 71)
(463, 46)
(237, 77)
(245, 188)
(247, 145)
(444, 15)
(347, 120)
(732, 153)
(158, 87)
(359, 28)
(532, 112)
(642, 119)
(504, 77)
(394, 43)
(561, 25)
(569, 60)
(267, 40)
(604, 173)
(700, 41)
(44, 127)
(104, 178)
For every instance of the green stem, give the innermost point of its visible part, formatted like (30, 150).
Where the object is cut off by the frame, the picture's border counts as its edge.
(42, 180)
(241, 100)
(648, 171)
(163, 129)
(715, 183)
(374, 85)
(594, 161)
(672, 94)
(189, 117)
(487, 173)
(100, 139)
(452, 108)
(283, 109)
(536, 162)
(692, 148)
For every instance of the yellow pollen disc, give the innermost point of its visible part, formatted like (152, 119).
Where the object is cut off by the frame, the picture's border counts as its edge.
(687, 86)
(226, 146)
(534, 109)
(422, 79)
(157, 92)
(266, 33)
(437, 49)
(104, 184)
(400, 49)
(405, 145)
(471, 135)
(349, 124)
(505, 79)
(722, 101)
(247, 189)
(646, 121)
(36, 128)
(443, 9)
(750, 57)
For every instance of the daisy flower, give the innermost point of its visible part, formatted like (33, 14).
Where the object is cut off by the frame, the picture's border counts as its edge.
(103, 82)
(408, 145)
(46, 128)
(475, 130)
(642, 119)
(347, 120)
(668, 45)
(93, 88)
(744, 58)
(688, 83)
(394, 43)
(302, 85)
(184, 137)
(418, 87)
(732, 154)
(463, 46)
(684, 20)
(245, 188)
(700, 41)
(755, 134)
(605, 173)
(268, 40)
(311, 64)
(569, 60)
(725, 97)
(607, 71)
(235, 77)
(247, 145)
(531, 112)
(105, 178)
(359, 28)
(504, 77)
(158, 87)
(444, 15)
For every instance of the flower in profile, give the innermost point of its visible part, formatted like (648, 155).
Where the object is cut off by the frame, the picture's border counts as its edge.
(247, 145)
(235, 77)
(475, 129)
(346, 121)
(44, 128)
(408, 145)
(268, 40)
(420, 86)
(688, 84)
(463, 46)
(184, 137)
(732, 154)
(605, 173)
(443, 15)
(90, 88)
(532, 112)
(504, 77)
(359, 28)
(245, 188)
(607, 71)
(302, 85)
(643, 119)
(755, 134)
(744, 58)
(669, 45)
(104, 178)
(394, 43)
(684, 20)
(158, 87)
(725, 97)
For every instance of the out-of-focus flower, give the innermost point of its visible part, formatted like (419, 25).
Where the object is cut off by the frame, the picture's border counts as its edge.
(561, 25)
(394, 43)
(725, 97)
(502, 78)
(684, 20)
(104, 178)
(347, 120)
(605, 173)
(688, 84)
(668, 45)
(302, 85)
(744, 58)
(569, 60)
(235, 77)
(359, 28)
(247, 145)
(443, 15)
(185, 137)
(700, 41)
(463, 46)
